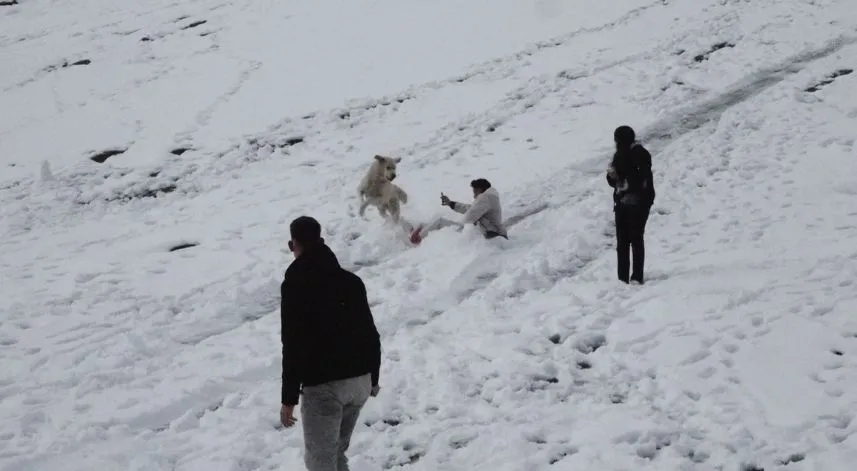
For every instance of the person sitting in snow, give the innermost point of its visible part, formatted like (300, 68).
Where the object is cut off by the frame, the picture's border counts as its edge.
(485, 213)
(630, 175)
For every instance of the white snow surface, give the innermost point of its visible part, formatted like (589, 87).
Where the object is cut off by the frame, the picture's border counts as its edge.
(740, 352)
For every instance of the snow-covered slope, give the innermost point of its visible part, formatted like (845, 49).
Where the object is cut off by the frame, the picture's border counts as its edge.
(128, 129)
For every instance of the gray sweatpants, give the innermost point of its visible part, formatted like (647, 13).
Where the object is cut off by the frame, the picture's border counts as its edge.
(330, 412)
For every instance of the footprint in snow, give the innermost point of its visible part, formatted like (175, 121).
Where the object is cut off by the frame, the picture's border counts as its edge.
(707, 373)
(557, 457)
(730, 348)
(590, 343)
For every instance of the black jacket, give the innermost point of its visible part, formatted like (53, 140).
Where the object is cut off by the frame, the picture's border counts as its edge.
(328, 332)
(634, 179)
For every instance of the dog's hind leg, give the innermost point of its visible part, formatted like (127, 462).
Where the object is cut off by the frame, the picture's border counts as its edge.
(382, 210)
(363, 206)
(395, 210)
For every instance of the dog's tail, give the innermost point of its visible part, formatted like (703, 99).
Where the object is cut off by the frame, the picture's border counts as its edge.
(400, 193)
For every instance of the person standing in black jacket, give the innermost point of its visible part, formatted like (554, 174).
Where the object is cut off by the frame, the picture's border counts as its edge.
(331, 348)
(630, 175)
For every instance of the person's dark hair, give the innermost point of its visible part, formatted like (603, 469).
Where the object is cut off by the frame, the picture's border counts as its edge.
(624, 135)
(480, 184)
(306, 231)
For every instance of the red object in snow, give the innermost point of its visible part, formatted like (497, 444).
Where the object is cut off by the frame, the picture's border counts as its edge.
(416, 238)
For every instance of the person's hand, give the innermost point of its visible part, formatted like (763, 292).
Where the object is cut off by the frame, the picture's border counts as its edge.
(375, 390)
(444, 200)
(287, 415)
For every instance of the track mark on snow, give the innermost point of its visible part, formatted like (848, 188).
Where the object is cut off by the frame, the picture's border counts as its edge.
(828, 80)
(185, 411)
(524, 214)
(696, 357)
(714, 48)
(410, 454)
(394, 421)
(536, 438)
(182, 246)
(793, 458)
(459, 442)
(697, 456)
(478, 283)
(171, 29)
(190, 419)
(552, 43)
(249, 307)
(8, 3)
(540, 382)
(562, 455)
(590, 343)
(257, 144)
(49, 69)
(647, 445)
(195, 24)
(730, 348)
(289, 141)
(77, 63)
(618, 398)
(358, 111)
(657, 441)
(838, 425)
(101, 157)
(180, 150)
(662, 133)
(146, 185)
(751, 467)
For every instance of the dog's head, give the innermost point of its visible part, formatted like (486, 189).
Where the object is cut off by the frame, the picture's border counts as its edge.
(386, 166)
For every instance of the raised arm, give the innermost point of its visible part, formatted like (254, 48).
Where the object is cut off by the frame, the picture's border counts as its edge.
(459, 207)
(480, 206)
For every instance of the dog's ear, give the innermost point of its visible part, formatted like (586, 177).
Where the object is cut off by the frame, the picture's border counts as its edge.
(379, 158)
(397, 159)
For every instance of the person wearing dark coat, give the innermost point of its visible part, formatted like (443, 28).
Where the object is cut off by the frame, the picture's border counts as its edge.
(331, 348)
(630, 175)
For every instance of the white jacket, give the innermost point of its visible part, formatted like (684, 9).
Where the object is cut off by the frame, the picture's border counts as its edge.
(485, 212)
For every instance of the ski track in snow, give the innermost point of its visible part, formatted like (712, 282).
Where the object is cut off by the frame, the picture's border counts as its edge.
(140, 331)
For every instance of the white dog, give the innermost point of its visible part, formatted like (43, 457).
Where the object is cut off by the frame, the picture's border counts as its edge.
(377, 188)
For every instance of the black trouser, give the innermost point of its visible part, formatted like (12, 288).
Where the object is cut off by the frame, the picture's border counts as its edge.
(630, 228)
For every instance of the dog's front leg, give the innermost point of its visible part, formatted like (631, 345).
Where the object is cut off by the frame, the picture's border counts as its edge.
(363, 207)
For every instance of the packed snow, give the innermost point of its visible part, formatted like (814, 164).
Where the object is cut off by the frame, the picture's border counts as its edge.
(153, 154)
